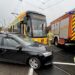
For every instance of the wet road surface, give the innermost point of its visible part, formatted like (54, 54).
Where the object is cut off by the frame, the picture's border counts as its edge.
(54, 70)
(62, 55)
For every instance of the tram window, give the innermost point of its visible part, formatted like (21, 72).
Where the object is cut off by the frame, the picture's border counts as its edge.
(25, 20)
(28, 29)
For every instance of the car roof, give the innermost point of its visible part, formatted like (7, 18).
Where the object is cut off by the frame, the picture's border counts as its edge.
(3, 34)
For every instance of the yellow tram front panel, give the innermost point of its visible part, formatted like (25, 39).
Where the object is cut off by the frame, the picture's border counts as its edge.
(41, 40)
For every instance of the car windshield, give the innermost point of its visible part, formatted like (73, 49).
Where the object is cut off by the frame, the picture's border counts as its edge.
(24, 41)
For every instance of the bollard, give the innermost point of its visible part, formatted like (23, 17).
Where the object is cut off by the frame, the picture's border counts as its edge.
(30, 72)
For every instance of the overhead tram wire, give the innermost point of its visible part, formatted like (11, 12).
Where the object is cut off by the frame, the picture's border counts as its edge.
(50, 6)
(45, 2)
(34, 5)
(53, 5)
(46, 7)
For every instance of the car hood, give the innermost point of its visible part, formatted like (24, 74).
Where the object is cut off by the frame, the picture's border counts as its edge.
(39, 48)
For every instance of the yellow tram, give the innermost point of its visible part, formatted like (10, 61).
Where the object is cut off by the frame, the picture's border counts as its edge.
(31, 24)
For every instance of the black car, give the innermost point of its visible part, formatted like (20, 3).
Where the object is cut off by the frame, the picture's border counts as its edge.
(16, 50)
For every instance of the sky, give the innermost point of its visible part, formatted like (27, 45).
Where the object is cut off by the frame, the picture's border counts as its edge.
(51, 8)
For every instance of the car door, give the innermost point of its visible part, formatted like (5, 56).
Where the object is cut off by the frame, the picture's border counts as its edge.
(1, 50)
(11, 53)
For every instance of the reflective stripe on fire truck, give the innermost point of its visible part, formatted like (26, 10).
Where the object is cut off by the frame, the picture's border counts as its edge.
(73, 27)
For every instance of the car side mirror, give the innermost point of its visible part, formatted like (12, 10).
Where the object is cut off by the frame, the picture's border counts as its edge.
(19, 47)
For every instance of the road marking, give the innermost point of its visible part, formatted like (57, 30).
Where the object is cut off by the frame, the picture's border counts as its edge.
(63, 63)
(30, 72)
(63, 70)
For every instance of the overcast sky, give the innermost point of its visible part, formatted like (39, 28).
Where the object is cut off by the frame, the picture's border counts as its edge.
(51, 8)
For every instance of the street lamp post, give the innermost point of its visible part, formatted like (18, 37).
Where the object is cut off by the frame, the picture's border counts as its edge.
(16, 14)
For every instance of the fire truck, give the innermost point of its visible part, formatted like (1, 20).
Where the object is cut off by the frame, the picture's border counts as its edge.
(63, 29)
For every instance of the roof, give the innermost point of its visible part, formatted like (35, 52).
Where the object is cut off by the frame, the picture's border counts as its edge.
(34, 12)
(60, 18)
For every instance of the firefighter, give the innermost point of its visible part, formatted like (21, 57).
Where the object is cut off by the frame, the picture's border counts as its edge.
(50, 37)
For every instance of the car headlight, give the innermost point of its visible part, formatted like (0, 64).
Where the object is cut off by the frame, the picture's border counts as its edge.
(47, 54)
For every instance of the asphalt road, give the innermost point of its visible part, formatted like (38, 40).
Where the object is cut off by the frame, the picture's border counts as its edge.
(64, 54)
(61, 54)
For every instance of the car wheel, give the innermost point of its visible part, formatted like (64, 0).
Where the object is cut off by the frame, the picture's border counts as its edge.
(34, 63)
